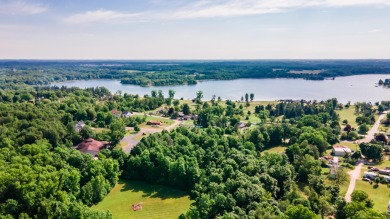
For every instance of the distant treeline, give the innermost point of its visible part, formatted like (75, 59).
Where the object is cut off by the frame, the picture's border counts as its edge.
(160, 73)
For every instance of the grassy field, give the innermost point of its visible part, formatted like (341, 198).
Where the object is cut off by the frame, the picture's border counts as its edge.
(99, 130)
(348, 114)
(157, 201)
(380, 195)
(277, 149)
(165, 121)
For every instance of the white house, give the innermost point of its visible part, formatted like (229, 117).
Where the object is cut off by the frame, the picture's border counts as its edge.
(369, 175)
(79, 126)
(341, 150)
(126, 114)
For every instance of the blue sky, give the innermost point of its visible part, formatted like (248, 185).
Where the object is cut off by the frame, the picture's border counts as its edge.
(188, 29)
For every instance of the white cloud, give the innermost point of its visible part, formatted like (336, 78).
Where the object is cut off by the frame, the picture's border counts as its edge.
(20, 7)
(101, 16)
(230, 8)
(217, 8)
(375, 31)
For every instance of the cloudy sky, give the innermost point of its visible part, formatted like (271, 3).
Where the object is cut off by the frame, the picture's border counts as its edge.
(190, 29)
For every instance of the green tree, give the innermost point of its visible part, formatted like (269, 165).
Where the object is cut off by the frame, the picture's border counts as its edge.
(300, 212)
(171, 94)
(117, 132)
(87, 132)
(252, 96)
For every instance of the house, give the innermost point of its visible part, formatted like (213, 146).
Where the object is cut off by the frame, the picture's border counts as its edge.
(384, 172)
(126, 114)
(242, 125)
(153, 123)
(341, 150)
(91, 146)
(79, 125)
(369, 175)
(116, 113)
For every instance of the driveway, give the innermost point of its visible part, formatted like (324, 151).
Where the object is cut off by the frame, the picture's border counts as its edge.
(133, 139)
(355, 173)
(371, 133)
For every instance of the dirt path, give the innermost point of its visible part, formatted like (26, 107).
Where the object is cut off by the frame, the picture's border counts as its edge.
(355, 173)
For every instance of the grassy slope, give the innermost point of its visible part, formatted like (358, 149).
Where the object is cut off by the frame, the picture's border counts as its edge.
(381, 194)
(157, 201)
(348, 114)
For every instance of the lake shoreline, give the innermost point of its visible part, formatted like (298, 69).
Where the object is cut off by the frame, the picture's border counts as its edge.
(358, 88)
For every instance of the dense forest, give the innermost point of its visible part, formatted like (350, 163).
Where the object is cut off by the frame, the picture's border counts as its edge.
(159, 73)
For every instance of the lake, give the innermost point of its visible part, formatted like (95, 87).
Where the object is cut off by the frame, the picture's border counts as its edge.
(352, 88)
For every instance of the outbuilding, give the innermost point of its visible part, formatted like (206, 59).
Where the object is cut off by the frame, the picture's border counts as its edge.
(341, 150)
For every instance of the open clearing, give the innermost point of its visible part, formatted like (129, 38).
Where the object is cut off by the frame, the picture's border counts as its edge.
(277, 149)
(380, 194)
(348, 114)
(157, 201)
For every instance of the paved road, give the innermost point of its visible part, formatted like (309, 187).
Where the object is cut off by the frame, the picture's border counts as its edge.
(355, 173)
(371, 134)
(133, 139)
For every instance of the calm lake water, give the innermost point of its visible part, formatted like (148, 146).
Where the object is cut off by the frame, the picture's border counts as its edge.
(352, 88)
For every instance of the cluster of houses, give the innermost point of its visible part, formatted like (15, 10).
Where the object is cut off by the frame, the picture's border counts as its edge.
(117, 113)
(383, 173)
(182, 116)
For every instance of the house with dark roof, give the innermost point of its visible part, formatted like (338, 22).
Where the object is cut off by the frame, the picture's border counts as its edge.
(91, 146)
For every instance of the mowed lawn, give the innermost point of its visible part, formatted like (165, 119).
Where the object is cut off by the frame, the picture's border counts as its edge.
(157, 201)
(276, 149)
(348, 114)
(380, 195)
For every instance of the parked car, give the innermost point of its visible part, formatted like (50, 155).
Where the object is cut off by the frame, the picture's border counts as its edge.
(374, 169)
(370, 167)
